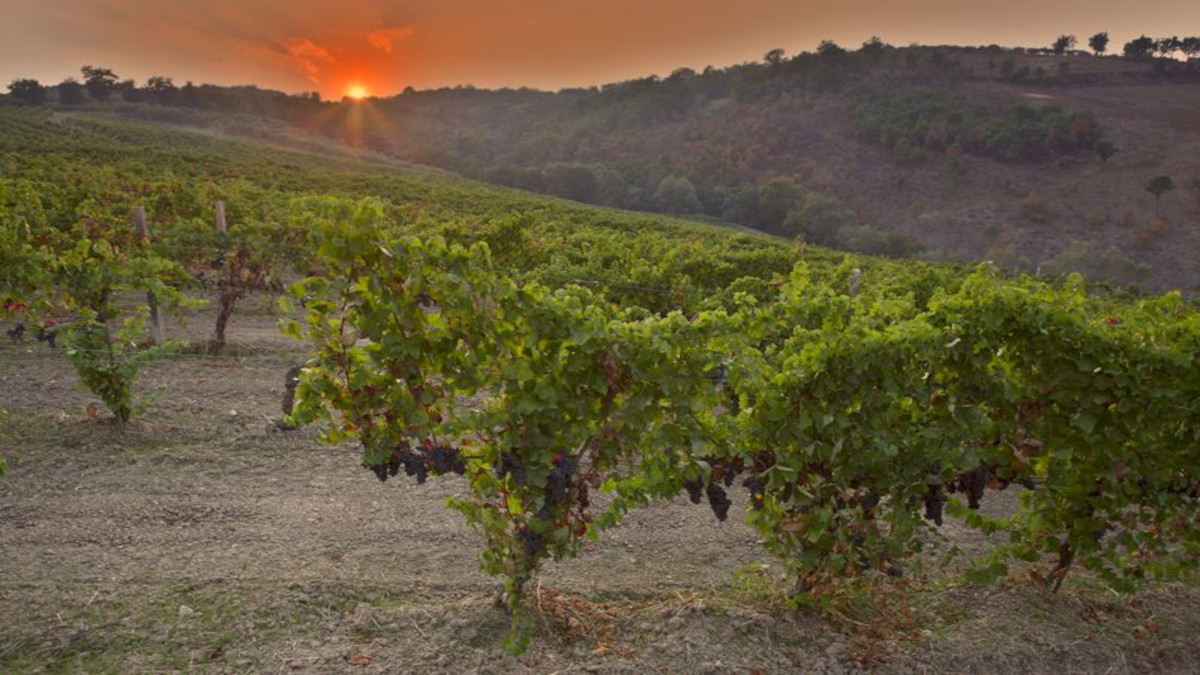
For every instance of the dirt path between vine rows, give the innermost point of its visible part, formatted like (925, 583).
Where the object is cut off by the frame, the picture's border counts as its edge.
(202, 539)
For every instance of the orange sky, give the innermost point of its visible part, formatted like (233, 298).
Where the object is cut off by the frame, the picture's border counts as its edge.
(386, 45)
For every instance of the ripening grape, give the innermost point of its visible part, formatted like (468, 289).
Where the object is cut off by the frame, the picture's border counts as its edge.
(934, 501)
(510, 465)
(757, 487)
(718, 501)
(560, 479)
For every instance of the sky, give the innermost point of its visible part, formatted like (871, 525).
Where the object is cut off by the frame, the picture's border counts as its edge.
(384, 46)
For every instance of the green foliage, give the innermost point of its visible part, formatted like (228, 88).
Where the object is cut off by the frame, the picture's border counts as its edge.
(938, 120)
(820, 218)
(108, 361)
(856, 411)
(249, 255)
(87, 279)
(1107, 266)
(676, 194)
(576, 389)
(777, 198)
(878, 241)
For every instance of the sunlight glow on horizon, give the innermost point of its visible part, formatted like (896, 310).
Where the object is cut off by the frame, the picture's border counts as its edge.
(357, 92)
(385, 46)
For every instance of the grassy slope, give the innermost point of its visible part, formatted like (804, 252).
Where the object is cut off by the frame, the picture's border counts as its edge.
(103, 166)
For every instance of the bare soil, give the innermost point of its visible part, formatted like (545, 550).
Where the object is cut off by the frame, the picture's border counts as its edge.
(202, 538)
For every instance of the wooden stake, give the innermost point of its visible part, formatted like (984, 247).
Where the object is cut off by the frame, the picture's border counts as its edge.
(156, 321)
(220, 221)
(855, 278)
(139, 223)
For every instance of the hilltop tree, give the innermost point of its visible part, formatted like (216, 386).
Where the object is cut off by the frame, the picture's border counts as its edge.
(1159, 186)
(1063, 43)
(1099, 42)
(830, 49)
(1166, 47)
(1139, 49)
(774, 57)
(162, 88)
(1105, 149)
(100, 82)
(873, 47)
(29, 92)
(1190, 46)
(70, 92)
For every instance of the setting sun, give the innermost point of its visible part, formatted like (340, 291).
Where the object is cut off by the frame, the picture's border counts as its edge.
(357, 92)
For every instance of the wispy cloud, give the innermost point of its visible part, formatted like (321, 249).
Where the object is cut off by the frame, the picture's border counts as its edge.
(308, 56)
(385, 39)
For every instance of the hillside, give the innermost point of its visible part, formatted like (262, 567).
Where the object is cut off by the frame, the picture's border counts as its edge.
(943, 152)
(731, 135)
(89, 167)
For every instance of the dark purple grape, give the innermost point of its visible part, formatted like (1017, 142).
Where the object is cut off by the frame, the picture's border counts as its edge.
(757, 489)
(976, 484)
(718, 501)
(934, 501)
(510, 465)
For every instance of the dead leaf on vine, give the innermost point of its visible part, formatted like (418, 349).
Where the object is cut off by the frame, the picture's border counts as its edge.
(792, 526)
(91, 411)
(360, 659)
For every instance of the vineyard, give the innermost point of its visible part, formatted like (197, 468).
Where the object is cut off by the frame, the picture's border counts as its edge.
(581, 404)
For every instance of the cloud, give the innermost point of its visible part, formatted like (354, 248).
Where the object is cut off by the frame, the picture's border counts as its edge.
(386, 38)
(307, 55)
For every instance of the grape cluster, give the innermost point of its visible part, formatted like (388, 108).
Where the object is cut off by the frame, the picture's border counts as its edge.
(413, 463)
(560, 479)
(757, 489)
(718, 501)
(695, 489)
(533, 543)
(975, 484)
(510, 465)
(16, 333)
(445, 459)
(47, 335)
(935, 499)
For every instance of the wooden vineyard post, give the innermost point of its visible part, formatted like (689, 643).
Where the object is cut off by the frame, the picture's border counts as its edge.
(220, 218)
(290, 382)
(156, 320)
(855, 280)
